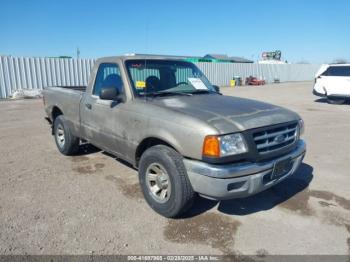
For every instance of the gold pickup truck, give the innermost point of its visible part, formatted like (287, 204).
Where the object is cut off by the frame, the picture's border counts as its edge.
(164, 117)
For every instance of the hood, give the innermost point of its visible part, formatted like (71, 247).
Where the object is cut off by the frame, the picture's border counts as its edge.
(226, 113)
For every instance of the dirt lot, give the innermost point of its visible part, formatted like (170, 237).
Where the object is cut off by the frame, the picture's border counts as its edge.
(91, 203)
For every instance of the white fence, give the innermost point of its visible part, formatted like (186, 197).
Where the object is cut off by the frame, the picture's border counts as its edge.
(17, 73)
(221, 73)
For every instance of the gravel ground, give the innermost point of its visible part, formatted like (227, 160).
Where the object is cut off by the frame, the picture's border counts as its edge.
(91, 203)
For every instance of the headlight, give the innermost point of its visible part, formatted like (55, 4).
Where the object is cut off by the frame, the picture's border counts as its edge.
(220, 146)
(232, 145)
(301, 127)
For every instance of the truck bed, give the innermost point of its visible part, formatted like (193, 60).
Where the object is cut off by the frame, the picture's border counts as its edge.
(67, 99)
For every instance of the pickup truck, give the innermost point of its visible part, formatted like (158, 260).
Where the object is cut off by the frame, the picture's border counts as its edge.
(163, 116)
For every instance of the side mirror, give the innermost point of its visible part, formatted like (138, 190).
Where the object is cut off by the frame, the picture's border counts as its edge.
(109, 93)
(217, 89)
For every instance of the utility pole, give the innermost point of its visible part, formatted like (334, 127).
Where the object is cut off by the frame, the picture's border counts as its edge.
(78, 53)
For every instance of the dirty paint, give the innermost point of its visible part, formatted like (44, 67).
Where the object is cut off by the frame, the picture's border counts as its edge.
(211, 229)
(129, 190)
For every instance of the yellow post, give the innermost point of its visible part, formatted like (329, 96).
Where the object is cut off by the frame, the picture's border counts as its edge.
(232, 83)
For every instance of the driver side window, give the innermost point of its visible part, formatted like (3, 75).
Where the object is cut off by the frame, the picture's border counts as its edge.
(108, 75)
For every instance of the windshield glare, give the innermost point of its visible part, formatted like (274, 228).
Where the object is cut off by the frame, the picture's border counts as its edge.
(154, 76)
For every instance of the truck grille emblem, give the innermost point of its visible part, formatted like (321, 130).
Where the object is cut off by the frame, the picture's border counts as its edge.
(280, 139)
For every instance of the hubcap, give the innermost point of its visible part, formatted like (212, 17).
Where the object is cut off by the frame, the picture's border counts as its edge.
(158, 182)
(60, 136)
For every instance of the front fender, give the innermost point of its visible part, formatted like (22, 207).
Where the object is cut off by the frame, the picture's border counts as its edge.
(165, 136)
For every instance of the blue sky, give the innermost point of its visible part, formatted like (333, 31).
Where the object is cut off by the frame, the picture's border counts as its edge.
(313, 31)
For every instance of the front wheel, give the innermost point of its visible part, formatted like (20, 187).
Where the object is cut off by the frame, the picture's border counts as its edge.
(164, 181)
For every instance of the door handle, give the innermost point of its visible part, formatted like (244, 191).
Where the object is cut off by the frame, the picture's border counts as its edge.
(88, 106)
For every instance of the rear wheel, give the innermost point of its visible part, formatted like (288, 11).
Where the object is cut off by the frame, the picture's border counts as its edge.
(336, 101)
(164, 181)
(66, 142)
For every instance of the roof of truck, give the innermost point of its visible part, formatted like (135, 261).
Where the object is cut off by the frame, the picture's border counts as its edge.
(144, 56)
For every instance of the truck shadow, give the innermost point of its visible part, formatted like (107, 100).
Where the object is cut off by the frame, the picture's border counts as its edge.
(263, 201)
(87, 149)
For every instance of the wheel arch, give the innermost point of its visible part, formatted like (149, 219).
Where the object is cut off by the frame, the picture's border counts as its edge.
(148, 143)
(55, 112)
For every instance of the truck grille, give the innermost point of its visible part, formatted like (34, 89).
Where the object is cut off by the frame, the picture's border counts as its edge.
(273, 139)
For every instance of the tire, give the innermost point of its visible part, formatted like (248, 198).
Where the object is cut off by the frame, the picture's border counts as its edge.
(66, 143)
(180, 195)
(336, 101)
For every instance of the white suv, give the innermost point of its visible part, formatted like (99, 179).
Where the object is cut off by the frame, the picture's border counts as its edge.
(333, 82)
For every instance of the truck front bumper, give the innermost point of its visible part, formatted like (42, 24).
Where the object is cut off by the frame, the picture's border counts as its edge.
(240, 179)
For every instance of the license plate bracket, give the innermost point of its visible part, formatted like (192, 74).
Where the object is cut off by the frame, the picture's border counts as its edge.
(281, 168)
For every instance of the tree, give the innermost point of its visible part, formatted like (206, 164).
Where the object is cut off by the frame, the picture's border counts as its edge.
(340, 61)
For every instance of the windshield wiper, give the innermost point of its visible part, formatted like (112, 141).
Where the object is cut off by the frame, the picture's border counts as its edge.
(166, 93)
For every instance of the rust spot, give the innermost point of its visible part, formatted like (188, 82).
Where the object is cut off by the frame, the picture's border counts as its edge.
(89, 169)
(211, 229)
(129, 190)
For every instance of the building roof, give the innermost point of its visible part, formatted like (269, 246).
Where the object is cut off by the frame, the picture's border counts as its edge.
(217, 56)
(240, 59)
(234, 59)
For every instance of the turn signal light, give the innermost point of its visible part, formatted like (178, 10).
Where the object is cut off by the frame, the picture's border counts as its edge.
(211, 146)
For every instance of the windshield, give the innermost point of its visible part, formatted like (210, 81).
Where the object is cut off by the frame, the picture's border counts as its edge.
(166, 76)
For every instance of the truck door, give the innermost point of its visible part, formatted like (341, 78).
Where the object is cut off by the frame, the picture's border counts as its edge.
(100, 119)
